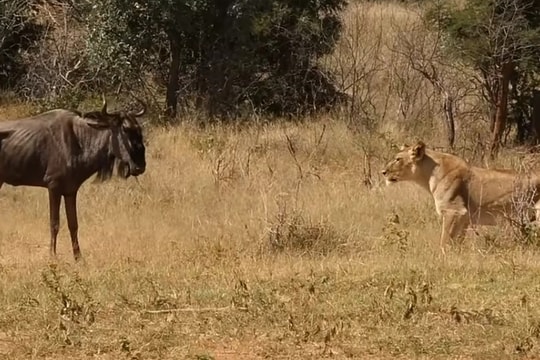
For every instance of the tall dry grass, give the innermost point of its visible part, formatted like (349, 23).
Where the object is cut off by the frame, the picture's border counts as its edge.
(277, 241)
(381, 61)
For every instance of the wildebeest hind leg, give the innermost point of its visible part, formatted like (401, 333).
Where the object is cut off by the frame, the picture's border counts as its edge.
(54, 214)
(73, 225)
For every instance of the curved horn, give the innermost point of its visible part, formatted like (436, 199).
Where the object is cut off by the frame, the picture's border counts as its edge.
(104, 108)
(143, 110)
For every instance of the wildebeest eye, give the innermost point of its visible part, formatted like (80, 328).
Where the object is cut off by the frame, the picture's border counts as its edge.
(133, 134)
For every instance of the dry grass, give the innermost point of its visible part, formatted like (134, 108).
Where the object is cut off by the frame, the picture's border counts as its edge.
(182, 264)
(264, 242)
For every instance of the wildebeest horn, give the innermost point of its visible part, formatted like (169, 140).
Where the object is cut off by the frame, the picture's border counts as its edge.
(104, 109)
(143, 110)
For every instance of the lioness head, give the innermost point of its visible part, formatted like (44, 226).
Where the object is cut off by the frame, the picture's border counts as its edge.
(404, 164)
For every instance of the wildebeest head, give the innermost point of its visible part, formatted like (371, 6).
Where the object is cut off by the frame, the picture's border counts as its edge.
(127, 139)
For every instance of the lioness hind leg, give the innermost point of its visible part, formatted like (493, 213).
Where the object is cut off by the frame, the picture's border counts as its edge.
(537, 213)
(454, 224)
(536, 221)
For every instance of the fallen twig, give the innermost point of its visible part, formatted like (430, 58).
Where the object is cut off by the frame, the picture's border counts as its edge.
(166, 311)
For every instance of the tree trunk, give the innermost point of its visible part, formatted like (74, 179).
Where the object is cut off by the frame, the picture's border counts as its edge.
(501, 108)
(448, 106)
(174, 72)
(536, 115)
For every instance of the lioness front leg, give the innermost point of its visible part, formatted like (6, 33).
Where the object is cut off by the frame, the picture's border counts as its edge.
(454, 224)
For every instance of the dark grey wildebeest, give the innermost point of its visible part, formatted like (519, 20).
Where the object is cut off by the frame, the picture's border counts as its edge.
(60, 149)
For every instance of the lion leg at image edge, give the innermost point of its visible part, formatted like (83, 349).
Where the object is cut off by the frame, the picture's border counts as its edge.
(454, 224)
(537, 214)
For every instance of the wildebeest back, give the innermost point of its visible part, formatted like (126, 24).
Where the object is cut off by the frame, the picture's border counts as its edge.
(25, 145)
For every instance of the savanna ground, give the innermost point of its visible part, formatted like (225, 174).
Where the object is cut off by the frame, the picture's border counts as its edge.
(265, 242)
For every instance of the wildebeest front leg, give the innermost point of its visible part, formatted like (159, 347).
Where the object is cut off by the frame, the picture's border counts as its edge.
(73, 225)
(54, 213)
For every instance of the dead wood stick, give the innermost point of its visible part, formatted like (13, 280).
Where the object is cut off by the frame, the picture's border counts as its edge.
(166, 311)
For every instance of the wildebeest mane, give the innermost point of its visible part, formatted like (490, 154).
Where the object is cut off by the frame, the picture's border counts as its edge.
(106, 170)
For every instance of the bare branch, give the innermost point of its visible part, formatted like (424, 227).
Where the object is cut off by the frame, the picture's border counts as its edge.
(169, 311)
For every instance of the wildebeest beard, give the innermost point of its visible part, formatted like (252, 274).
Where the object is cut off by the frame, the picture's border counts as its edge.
(107, 170)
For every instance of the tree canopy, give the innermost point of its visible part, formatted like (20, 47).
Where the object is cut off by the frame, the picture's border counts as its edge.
(223, 54)
(501, 40)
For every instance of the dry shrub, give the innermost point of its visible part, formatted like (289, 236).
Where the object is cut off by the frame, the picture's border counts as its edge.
(77, 309)
(524, 230)
(293, 231)
(389, 62)
(374, 70)
(57, 72)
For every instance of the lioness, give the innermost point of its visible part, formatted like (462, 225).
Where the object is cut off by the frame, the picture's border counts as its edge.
(464, 194)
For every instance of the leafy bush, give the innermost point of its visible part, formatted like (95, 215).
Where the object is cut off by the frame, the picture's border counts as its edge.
(18, 32)
(500, 39)
(225, 56)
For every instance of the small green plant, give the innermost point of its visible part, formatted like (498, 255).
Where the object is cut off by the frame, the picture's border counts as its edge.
(208, 144)
(395, 235)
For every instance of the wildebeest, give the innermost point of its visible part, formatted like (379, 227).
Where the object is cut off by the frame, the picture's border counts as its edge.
(60, 149)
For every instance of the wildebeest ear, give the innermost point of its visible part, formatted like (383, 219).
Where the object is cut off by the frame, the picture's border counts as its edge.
(417, 152)
(97, 124)
(116, 121)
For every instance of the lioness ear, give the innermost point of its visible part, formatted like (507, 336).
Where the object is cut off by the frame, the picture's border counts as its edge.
(417, 152)
(403, 147)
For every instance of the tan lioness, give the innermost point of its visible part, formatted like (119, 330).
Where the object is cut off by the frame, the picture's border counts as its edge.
(464, 194)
